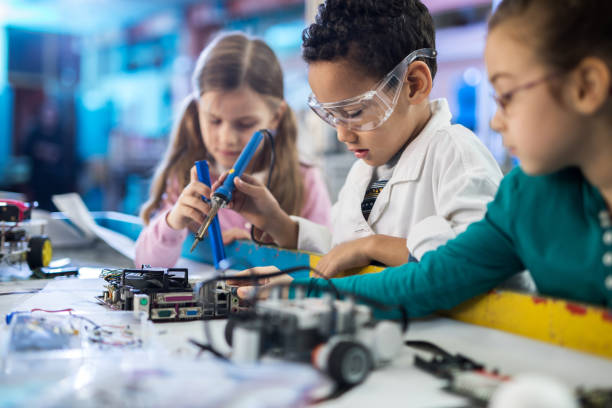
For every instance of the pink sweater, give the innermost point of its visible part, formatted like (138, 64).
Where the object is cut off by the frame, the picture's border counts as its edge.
(159, 245)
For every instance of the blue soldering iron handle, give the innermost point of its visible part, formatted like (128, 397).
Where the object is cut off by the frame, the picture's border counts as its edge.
(215, 237)
(227, 188)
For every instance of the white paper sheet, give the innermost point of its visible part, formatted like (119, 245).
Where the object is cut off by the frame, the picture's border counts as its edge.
(74, 208)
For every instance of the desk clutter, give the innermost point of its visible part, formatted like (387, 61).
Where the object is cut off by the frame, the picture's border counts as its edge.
(86, 355)
(275, 352)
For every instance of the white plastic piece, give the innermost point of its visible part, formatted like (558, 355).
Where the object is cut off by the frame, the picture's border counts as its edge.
(387, 341)
(275, 293)
(245, 345)
(141, 304)
(300, 293)
(533, 391)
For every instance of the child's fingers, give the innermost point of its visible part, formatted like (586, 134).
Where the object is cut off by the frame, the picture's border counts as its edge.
(248, 178)
(246, 292)
(196, 203)
(246, 187)
(193, 214)
(259, 270)
(220, 180)
(233, 234)
(199, 189)
(326, 268)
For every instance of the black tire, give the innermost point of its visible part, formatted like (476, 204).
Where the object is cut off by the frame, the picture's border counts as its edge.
(349, 363)
(229, 331)
(39, 251)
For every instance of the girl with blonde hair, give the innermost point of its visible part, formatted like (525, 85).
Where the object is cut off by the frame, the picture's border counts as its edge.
(238, 89)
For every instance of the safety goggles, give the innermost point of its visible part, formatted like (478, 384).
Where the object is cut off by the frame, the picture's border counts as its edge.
(372, 108)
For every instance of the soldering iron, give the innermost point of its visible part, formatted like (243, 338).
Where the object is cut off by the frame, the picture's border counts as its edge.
(223, 194)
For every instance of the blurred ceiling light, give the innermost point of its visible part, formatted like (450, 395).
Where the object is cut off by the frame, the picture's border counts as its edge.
(81, 16)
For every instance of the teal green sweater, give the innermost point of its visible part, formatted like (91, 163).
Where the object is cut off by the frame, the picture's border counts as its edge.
(557, 226)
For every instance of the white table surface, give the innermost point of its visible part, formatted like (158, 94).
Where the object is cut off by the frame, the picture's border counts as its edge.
(399, 382)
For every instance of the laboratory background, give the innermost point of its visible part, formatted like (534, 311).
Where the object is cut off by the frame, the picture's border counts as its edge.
(89, 89)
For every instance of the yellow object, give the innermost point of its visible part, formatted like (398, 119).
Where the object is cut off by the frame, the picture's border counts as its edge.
(564, 323)
(47, 253)
(231, 171)
(556, 321)
(314, 261)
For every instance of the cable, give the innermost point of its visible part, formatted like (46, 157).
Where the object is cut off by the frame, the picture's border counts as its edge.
(19, 293)
(270, 140)
(255, 278)
(333, 288)
(206, 347)
(427, 346)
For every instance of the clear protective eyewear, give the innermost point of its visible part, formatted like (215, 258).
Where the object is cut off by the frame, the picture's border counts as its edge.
(372, 108)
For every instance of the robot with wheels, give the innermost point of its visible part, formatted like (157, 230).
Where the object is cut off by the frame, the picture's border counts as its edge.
(339, 337)
(16, 243)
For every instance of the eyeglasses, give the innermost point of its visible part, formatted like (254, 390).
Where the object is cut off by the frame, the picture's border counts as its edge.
(372, 108)
(504, 99)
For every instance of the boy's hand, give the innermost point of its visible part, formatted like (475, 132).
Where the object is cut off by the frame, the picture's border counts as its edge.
(190, 209)
(247, 289)
(391, 251)
(347, 255)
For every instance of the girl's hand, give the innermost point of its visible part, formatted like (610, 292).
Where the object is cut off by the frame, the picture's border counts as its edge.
(248, 287)
(257, 204)
(348, 255)
(252, 200)
(190, 209)
(233, 234)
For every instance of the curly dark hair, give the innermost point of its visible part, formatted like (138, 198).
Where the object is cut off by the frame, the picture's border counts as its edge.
(375, 35)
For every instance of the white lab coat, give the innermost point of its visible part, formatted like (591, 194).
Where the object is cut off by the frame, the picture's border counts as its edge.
(441, 184)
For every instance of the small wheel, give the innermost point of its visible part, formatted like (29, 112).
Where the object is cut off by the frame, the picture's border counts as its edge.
(229, 331)
(349, 363)
(39, 251)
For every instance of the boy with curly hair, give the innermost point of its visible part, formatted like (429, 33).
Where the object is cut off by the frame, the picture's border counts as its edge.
(419, 180)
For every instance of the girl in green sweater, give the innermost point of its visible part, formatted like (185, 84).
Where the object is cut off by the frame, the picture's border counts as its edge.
(550, 63)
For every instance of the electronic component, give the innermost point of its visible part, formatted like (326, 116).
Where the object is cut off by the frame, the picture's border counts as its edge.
(16, 243)
(465, 376)
(339, 337)
(165, 295)
(218, 299)
(595, 398)
(159, 293)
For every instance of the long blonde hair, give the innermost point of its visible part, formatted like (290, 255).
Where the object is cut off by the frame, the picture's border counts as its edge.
(229, 62)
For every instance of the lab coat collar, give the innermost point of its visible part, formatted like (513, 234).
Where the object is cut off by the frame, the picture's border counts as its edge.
(410, 164)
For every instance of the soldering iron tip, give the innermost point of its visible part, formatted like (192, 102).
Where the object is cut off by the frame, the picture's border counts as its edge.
(195, 243)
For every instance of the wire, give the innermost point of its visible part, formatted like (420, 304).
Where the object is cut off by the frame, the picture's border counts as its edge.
(255, 278)
(69, 311)
(19, 293)
(206, 347)
(427, 346)
(53, 311)
(270, 140)
(337, 293)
